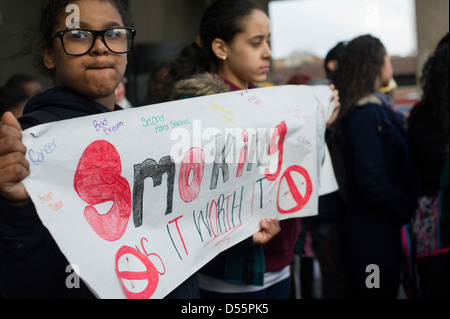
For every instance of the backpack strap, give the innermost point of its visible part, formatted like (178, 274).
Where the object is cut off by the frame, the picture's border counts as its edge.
(409, 265)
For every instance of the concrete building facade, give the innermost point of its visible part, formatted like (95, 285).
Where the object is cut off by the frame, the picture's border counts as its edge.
(166, 25)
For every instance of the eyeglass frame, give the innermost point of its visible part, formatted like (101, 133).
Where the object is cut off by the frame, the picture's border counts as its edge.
(96, 34)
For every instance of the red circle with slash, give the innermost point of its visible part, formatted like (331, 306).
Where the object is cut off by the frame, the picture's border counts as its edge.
(150, 274)
(300, 200)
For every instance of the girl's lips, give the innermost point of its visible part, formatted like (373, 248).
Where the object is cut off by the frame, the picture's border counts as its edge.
(99, 67)
(265, 69)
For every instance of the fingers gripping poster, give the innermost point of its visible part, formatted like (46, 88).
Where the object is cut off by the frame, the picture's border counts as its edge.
(139, 200)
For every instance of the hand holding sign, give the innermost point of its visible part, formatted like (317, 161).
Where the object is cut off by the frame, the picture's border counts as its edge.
(14, 167)
(337, 106)
(269, 229)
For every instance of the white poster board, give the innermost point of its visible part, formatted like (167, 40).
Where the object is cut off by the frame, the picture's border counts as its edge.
(139, 200)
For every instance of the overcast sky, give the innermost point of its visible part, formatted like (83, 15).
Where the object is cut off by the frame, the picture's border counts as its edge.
(315, 26)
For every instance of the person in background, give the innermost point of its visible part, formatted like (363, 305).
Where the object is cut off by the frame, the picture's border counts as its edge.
(12, 99)
(30, 85)
(303, 246)
(429, 132)
(327, 228)
(380, 175)
(330, 64)
(299, 78)
(429, 120)
(233, 53)
(121, 95)
(159, 85)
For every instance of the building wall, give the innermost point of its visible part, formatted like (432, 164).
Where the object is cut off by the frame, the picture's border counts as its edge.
(17, 19)
(167, 20)
(432, 24)
(173, 21)
(170, 20)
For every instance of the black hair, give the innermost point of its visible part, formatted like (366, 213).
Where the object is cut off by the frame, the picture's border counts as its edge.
(223, 20)
(360, 65)
(443, 41)
(20, 79)
(52, 11)
(434, 83)
(11, 97)
(333, 55)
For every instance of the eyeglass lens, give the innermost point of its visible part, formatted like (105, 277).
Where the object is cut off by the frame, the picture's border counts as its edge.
(79, 42)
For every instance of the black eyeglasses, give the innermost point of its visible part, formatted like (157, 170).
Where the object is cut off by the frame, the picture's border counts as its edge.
(80, 41)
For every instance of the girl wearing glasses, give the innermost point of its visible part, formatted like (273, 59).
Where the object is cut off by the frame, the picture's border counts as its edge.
(86, 64)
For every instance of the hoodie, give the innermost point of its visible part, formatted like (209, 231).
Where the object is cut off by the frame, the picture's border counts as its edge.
(59, 103)
(31, 263)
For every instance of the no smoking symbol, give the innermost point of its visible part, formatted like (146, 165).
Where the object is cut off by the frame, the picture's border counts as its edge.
(294, 191)
(137, 284)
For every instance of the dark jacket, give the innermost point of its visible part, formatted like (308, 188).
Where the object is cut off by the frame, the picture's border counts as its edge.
(381, 186)
(31, 264)
(431, 145)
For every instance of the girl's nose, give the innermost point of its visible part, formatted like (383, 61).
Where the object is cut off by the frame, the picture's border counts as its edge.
(99, 47)
(268, 52)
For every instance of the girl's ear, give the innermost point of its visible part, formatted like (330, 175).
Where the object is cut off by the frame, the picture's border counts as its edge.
(220, 48)
(49, 58)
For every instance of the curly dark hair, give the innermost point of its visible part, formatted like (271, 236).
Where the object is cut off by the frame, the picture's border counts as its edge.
(434, 83)
(359, 67)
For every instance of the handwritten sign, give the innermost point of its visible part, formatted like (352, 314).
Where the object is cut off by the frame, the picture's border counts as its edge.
(139, 200)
